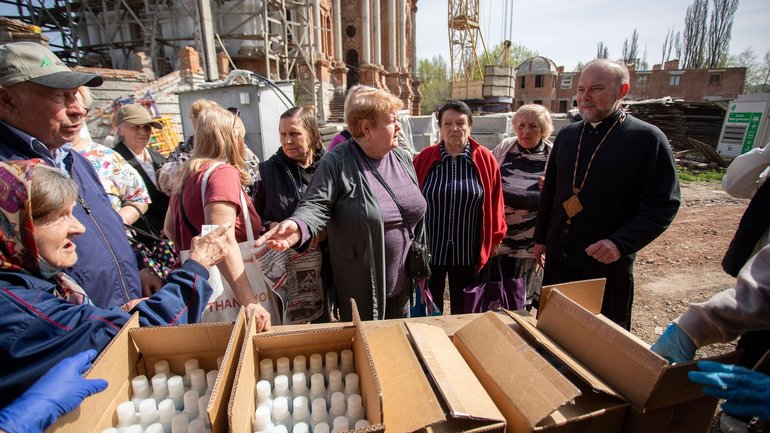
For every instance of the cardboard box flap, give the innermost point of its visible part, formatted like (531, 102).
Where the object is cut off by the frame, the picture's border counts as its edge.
(673, 385)
(220, 394)
(603, 347)
(510, 370)
(109, 363)
(586, 293)
(461, 390)
(242, 398)
(401, 375)
(591, 379)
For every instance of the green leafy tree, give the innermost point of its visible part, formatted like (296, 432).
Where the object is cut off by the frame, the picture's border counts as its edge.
(435, 86)
(757, 71)
(517, 53)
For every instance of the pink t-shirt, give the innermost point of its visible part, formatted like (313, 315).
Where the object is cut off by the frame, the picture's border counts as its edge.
(224, 185)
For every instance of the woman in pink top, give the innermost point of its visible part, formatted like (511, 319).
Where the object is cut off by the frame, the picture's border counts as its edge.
(219, 139)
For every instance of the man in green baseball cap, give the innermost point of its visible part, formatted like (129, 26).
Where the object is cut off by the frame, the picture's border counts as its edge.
(39, 117)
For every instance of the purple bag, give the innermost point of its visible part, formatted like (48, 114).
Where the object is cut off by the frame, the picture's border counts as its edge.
(492, 291)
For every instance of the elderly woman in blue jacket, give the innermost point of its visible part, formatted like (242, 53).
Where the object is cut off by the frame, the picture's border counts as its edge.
(44, 315)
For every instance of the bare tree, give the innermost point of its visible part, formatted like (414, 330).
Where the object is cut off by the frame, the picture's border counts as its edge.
(602, 52)
(631, 49)
(695, 27)
(678, 46)
(668, 45)
(720, 26)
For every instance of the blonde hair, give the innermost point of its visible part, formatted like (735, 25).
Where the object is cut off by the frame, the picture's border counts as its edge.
(368, 104)
(540, 113)
(199, 106)
(219, 136)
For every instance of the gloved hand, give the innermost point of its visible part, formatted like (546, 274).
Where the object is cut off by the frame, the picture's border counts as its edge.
(674, 345)
(747, 391)
(59, 391)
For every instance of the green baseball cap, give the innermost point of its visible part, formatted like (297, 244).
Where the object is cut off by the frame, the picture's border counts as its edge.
(136, 114)
(30, 61)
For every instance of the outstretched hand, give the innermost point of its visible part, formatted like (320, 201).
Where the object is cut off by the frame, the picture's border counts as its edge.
(674, 345)
(210, 249)
(56, 393)
(747, 391)
(281, 237)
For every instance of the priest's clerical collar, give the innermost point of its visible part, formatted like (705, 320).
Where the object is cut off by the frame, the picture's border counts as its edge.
(609, 120)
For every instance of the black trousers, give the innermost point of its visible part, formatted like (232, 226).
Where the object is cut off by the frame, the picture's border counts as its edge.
(618, 291)
(460, 277)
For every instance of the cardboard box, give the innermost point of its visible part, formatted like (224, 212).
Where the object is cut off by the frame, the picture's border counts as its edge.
(135, 350)
(661, 398)
(302, 342)
(530, 394)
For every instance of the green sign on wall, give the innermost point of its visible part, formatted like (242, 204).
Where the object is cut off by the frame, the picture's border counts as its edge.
(752, 119)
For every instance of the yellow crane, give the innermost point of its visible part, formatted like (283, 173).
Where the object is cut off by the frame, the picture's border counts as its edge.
(464, 39)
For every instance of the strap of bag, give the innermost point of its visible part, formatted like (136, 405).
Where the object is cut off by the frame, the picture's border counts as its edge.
(387, 188)
(244, 208)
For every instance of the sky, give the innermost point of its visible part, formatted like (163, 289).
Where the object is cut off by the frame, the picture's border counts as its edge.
(568, 31)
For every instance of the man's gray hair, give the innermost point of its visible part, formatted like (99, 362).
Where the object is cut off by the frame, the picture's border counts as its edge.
(620, 71)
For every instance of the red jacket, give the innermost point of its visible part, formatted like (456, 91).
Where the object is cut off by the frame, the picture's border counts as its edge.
(493, 225)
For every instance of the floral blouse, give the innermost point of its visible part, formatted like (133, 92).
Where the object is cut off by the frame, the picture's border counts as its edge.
(121, 181)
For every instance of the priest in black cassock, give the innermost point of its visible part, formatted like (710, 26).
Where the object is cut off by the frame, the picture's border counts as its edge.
(610, 188)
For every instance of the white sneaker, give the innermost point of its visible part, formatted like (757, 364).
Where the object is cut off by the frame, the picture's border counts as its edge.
(728, 424)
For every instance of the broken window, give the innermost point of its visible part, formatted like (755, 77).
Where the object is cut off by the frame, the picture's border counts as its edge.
(538, 81)
(715, 79)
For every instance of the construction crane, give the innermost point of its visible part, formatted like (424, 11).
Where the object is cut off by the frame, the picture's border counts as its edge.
(464, 39)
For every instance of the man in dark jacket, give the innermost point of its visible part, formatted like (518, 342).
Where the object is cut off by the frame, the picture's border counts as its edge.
(610, 188)
(39, 118)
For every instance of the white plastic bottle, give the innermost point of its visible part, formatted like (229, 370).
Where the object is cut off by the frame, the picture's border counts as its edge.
(219, 362)
(346, 362)
(335, 384)
(166, 413)
(281, 387)
(211, 380)
(148, 412)
(154, 428)
(301, 428)
(159, 387)
(301, 411)
(317, 387)
(321, 427)
(299, 385)
(351, 384)
(198, 381)
(362, 423)
(264, 396)
(162, 367)
(319, 413)
(140, 390)
(203, 414)
(191, 404)
(337, 406)
(133, 428)
(126, 414)
(175, 386)
(280, 412)
(262, 422)
(189, 365)
(179, 423)
(283, 366)
(316, 364)
(355, 411)
(340, 425)
(330, 363)
(266, 371)
(196, 426)
(299, 365)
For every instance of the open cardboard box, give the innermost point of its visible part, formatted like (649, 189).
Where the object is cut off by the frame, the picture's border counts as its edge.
(524, 389)
(302, 342)
(661, 398)
(135, 350)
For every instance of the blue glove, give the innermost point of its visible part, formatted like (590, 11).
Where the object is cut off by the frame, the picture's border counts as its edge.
(59, 391)
(674, 345)
(747, 391)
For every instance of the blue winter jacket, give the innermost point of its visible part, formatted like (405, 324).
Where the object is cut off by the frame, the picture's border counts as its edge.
(37, 329)
(106, 266)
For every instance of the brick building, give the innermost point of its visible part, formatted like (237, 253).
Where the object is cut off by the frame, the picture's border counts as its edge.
(540, 81)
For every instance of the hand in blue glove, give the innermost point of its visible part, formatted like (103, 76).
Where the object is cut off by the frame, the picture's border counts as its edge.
(747, 391)
(59, 391)
(674, 345)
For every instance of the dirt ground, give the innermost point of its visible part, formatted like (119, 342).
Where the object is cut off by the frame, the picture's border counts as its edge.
(683, 265)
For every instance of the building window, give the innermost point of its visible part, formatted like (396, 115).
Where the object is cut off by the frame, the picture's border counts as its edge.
(538, 81)
(553, 84)
(715, 79)
(522, 82)
(675, 80)
(563, 106)
(351, 31)
(641, 79)
(566, 81)
(538, 101)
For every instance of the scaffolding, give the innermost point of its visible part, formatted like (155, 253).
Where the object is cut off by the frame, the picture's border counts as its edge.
(107, 33)
(464, 39)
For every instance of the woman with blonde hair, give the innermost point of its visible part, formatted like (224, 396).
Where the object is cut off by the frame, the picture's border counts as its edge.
(522, 162)
(365, 195)
(218, 160)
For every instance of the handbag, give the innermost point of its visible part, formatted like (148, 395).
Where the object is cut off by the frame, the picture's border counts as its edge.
(223, 306)
(158, 253)
(418, 256)
(424, 305)
(493, 291)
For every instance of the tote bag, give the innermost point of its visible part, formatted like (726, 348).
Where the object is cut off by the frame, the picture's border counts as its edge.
(222, 306)
(492, 291)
